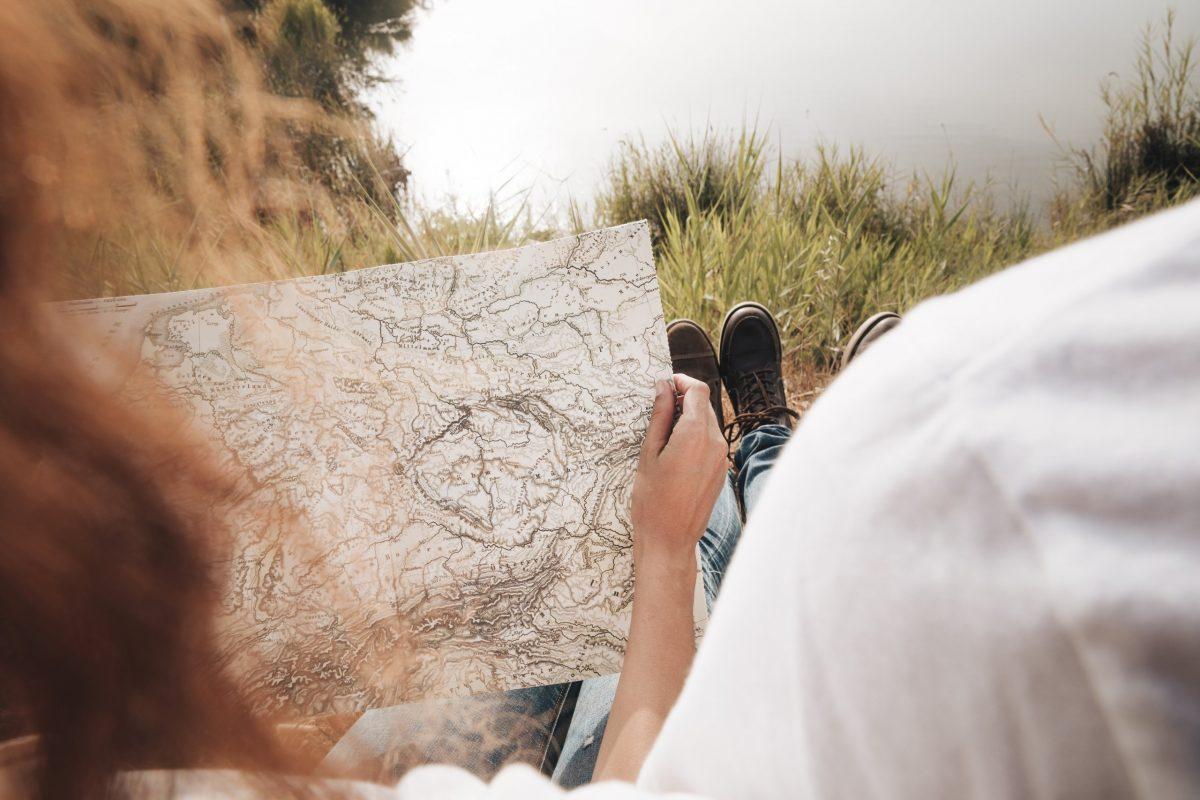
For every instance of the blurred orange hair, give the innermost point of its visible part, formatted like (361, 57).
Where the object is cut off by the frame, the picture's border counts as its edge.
(115, 115)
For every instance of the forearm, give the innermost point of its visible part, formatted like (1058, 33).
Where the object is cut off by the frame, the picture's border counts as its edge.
(657, 659)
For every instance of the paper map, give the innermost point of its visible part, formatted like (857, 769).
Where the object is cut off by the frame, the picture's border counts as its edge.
(452, 443)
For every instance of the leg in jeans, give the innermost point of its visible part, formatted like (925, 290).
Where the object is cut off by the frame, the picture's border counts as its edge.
(755, 455)
(754, 458)
(720, 537)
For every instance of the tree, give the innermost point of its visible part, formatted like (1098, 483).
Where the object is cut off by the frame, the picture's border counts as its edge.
(375, 26)
(366, 28)
(323, 50)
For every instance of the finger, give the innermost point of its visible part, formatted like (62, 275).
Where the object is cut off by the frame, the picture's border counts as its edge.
(695, 393)
(686, 385)
(661, 417)
(685, 382)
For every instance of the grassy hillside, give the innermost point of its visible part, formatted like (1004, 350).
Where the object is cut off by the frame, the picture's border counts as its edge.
(823, 239)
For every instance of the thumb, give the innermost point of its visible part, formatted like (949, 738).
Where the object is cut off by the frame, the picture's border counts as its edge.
(661, 418)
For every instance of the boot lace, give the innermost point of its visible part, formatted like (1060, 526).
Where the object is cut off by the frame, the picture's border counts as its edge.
(754, 396)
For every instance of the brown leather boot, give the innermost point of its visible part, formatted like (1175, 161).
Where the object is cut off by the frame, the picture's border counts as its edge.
(868, 333)
(692, 354)
(752, 370)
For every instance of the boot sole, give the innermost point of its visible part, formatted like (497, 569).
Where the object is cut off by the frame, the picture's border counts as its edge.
(863, 331)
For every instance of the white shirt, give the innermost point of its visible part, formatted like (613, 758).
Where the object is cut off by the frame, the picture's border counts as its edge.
(975, 570)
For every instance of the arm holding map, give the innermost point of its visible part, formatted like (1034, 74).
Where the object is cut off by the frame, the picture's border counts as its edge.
(679, 476)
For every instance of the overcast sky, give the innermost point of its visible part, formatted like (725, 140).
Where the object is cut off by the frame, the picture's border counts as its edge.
(537, 92)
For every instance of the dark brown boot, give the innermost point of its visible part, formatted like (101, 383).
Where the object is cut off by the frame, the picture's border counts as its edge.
(692, 354)
(752, 370)
(868, 333)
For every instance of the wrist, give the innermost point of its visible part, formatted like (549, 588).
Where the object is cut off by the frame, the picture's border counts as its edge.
(665, 565)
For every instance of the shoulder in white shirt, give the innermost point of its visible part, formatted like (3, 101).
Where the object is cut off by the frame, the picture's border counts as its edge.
(976, 568)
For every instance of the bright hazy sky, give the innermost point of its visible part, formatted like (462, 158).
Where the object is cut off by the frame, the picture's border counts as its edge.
(538, 92)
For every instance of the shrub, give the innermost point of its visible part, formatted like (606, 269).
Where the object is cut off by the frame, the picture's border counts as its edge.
(1149, 154)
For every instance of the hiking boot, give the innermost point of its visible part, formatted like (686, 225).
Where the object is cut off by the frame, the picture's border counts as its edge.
(692, 354)
(752, 370)
(868, 333)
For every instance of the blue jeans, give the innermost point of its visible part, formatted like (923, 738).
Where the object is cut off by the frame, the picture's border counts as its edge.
(525, 724)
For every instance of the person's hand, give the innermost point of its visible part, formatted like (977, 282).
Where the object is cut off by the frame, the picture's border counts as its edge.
(679, 474)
